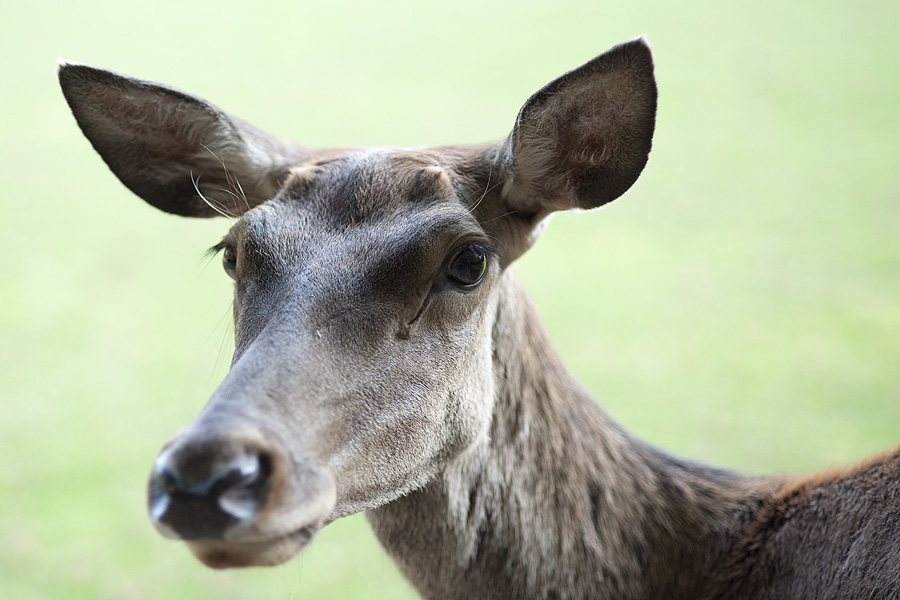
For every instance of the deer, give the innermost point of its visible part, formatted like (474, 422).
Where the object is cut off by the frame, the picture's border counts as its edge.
(388, 361)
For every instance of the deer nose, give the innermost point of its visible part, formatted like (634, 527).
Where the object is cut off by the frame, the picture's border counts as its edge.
(198, 492)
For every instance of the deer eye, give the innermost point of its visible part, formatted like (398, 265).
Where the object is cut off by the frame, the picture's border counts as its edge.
(468, 267)
(229, 261)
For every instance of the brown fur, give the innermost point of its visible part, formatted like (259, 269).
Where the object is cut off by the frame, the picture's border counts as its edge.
(832, 534)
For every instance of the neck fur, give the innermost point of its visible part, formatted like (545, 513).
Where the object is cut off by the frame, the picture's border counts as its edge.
(559, 501)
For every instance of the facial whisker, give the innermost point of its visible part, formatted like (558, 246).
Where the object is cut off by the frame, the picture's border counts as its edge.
(488, 188)
(216, 206)
(237, 191)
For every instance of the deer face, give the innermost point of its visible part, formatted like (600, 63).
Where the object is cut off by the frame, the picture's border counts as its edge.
(366, 284)
(362, 310)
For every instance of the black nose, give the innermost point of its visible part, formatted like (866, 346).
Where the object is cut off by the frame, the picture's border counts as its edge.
(198, 493)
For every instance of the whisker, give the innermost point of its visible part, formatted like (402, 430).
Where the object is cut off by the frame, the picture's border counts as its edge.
(237, 190)
(506, 214)
(226, 328)
(488, 188)
(243, 195)
(216, 206)
(231, 193)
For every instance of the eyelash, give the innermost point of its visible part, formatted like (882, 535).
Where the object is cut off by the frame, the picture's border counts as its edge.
(229, 264)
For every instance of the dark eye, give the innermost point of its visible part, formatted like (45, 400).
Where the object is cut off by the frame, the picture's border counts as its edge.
(468, 267)
(229, 260)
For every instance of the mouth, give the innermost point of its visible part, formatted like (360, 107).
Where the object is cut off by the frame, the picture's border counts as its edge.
(228, 554)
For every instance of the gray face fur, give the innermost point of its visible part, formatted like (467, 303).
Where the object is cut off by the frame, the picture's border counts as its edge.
(367, 285)
(351, 332)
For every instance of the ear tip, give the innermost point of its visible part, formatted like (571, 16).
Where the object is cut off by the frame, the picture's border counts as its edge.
(643, 40)
(71, 73)
(65, 68)
(638, 47)
(68, 66)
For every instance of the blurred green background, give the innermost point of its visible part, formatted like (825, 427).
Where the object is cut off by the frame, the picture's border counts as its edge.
(741, 305)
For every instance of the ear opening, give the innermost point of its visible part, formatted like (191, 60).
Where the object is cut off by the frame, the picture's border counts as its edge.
(583, 139)
(179, 153)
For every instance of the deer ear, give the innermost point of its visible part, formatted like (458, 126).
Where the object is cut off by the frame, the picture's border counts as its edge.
(178, 152)
(583, 139)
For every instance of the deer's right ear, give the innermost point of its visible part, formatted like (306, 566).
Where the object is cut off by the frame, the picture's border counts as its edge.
(583, 139)
(178, 152)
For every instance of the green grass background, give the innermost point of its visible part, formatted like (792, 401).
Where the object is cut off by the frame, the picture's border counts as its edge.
(741, 305)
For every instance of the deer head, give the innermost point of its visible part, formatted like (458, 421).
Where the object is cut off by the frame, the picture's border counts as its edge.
(366, 287)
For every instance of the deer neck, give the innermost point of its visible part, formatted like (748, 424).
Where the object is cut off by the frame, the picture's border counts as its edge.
(558, 501)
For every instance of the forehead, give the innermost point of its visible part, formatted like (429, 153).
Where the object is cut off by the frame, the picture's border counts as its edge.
(404, 197)
(370, 185)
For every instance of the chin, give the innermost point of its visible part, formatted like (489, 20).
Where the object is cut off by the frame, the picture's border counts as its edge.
(224, 554)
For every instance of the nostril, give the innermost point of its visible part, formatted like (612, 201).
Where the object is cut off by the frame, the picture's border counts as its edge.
(200, 494)
(243, 487)
(162, 486)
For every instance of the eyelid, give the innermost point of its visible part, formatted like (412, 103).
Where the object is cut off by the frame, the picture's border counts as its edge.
(488, 251)
(229, 241)
(212, 251)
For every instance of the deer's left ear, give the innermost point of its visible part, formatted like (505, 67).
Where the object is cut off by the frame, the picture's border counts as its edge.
(583, 139)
